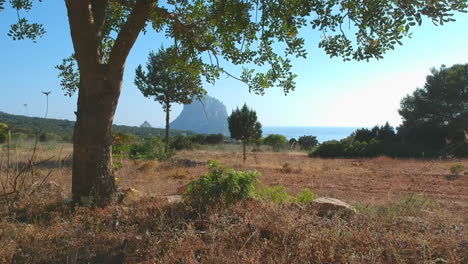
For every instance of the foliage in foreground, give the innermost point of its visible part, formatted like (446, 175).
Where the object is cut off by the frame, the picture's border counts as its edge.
(222, 185)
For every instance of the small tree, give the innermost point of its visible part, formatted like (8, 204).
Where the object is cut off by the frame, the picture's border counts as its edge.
(276, 141)
(244, 126)
(167, 83)
(307, 142)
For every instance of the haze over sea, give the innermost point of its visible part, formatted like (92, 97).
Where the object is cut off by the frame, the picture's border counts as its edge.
(322, 133)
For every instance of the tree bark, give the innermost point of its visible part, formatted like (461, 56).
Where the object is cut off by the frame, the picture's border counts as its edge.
(92, 176)
(168, 111)
(99, 91)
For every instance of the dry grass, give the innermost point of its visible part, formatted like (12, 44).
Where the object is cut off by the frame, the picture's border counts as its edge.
(428, 227)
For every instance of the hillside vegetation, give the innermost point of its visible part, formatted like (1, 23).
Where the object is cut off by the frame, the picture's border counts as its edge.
(24, 127)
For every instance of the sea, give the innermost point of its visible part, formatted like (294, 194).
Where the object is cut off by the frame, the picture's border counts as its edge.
(322, 133)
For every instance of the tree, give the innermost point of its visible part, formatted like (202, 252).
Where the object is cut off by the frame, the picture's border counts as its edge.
(276, 141)
(167, 83)
(292, 143)
(385, 132)
(244, 126)
(432, 114)
(307, 142)
(242, 32)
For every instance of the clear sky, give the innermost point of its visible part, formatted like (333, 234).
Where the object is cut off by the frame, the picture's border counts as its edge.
(329, 92)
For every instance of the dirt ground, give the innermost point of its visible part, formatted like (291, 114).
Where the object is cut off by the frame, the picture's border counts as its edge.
(375, 180)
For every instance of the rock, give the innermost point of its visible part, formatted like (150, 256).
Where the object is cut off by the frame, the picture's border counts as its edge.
(174, 199)
(131, 195)
(330, 206)
(206, 116)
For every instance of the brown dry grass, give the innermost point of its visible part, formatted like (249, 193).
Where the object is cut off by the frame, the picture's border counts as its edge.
(387, 229)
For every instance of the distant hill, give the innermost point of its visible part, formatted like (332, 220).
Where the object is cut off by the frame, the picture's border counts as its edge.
(64, 128)
(206, 116)
(146, 124)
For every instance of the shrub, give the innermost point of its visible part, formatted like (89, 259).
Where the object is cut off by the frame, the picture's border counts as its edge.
(276, 194)
(329, 149)
(214, 139)
(279, 195)
(149, 149)
(222, 185)
(181, 142)
(307, 142)
(198, 139)
(276, 141)
(305, 197)
(121, 143)
(44, 137)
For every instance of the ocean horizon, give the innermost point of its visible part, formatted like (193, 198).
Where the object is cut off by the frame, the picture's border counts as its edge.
(323, 133)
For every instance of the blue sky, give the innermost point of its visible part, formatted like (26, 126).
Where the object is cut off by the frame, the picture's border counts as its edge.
(329, 92)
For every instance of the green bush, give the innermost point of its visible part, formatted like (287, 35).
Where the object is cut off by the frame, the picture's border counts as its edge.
(329, 149)
(307, 142)
(276, 141)
(121, 143)
(198, 139)
(150, 149)
(44, 137)
(305, 197)
(279, 195)
(276, 194)
(351, 148)
(181, 142)
(222, 185)
(214, 139)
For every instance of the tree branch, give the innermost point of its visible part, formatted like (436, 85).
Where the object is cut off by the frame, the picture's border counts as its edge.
(128, 35)
(99, 18)
(81, 29)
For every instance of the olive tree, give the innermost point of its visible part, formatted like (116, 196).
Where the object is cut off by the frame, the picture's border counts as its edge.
(248, 33)
(167, 82)
(244, 126)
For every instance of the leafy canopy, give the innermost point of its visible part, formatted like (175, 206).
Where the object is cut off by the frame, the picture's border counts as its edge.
(439, 109)
(262, 32)
(307, 142)
(243, 124)
(165, 81)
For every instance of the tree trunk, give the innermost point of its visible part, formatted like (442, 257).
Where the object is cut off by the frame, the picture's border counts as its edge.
(245, 157)
(92, 176)
(168, 111)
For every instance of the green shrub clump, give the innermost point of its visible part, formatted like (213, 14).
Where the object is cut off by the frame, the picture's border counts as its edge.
(222, 185)
(279, 195)
(181, 142)
(276, 141)
(150, 149)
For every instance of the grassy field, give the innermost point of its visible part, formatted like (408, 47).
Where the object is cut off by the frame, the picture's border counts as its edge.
(409, 211)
